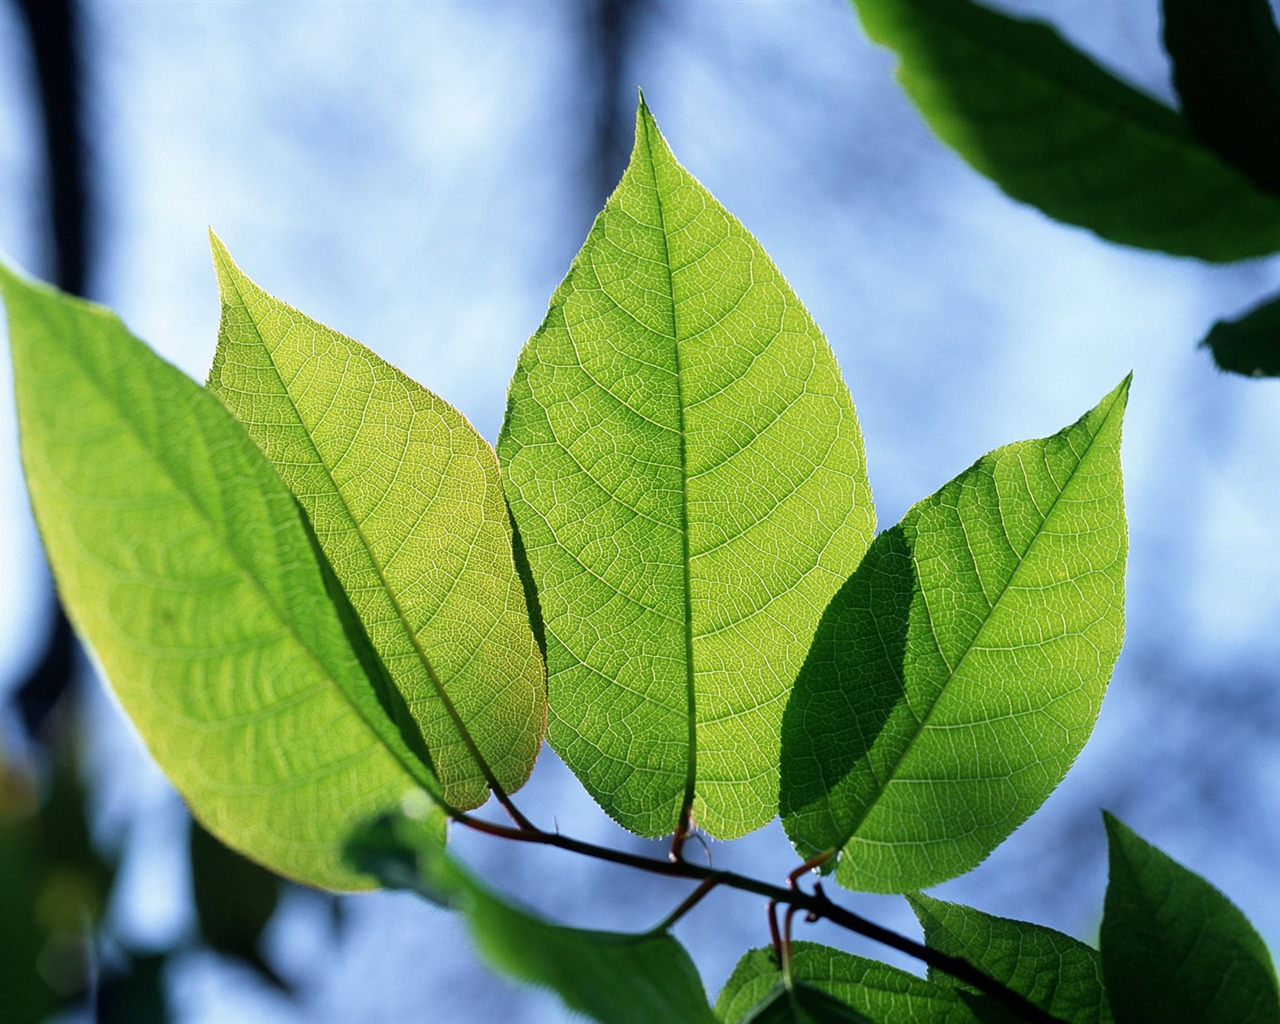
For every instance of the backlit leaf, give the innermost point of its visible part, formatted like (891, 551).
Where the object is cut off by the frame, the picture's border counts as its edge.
(406, 500)
(1053, 129)
(870, 990)
(188, 566)
(686, 469)
(958, 672)
(1054, 971)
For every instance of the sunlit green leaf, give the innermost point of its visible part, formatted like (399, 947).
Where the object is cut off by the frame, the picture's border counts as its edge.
(869, 990)
(1053, 129)
(1174, 949)
(1250, 344)
(187, 565)
(1226, 67)
(406, 499)
(958, 672)
(686, 469)
(1054, 971)
(614, 978)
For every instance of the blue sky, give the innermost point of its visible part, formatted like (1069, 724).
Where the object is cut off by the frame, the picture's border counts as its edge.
(416, 176)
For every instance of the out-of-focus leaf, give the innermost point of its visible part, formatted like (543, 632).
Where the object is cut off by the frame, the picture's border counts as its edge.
(1174, 949)
(957, 674)
(1053, 129)
(1054, 971)
(1226, 68)
(614, 978)
(135, 992)
(866, 989)
(234, 900)
(406, 499)
(685, 465)
(1250, 344)
(54, 884)
(28, 997)
(190, 569)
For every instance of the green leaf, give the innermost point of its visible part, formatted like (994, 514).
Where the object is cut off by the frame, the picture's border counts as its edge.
(614, 978)
(1249, 344)
(1174, 949)
(867, 989)
(1226, 67)
(800, 1003)
(1052, 128)
(1054, 971)
(686, 468)
(189, 568)
(956, 675)
(406, 500)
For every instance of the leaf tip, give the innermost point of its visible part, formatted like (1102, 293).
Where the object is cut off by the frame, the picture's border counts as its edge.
(224, 266)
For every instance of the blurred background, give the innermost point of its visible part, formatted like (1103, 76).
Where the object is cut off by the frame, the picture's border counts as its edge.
(419, 176)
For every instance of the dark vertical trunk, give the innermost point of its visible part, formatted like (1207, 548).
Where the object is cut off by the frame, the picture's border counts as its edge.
(52, 31)
(610, 29)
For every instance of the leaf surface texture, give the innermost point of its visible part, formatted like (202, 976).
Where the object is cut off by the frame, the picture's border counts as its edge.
(872, 991)
(957, 674)
(685, 466)
(1055, 972)
(188, 566)
(406, 500)
(1174, 949)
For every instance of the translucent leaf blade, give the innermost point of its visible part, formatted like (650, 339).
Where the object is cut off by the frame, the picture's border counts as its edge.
(873, 991)
(1174, 949)
(959, 671)
(186, 564)
(615, 978)
(406, 500)
(686, 469)
(1053, 129)
(1057, 973)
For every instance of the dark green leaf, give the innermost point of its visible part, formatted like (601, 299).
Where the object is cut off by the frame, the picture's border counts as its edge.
(865, 988)
(1174, 949)
(1054, 971)
(1249, 345)
(615, 978)
(1053, 129)
(134, 992)
(802, 1004)
(1226, 67)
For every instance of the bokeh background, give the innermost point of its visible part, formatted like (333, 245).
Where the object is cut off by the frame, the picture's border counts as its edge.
(419, 176)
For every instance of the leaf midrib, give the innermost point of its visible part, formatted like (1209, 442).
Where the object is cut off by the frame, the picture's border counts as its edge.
(691, 758)
(454, 716)
(891, 774)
